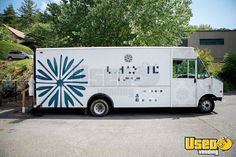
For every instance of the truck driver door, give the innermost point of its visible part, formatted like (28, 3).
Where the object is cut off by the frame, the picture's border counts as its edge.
(183, 83)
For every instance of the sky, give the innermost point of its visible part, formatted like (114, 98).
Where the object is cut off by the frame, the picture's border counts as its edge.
(217, 13)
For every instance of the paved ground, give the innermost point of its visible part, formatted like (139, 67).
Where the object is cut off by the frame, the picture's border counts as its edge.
(139, 133)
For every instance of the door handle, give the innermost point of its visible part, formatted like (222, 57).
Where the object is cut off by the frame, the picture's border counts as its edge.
(195, 80)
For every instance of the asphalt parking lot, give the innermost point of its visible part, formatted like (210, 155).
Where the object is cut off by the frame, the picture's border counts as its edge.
(134, 133)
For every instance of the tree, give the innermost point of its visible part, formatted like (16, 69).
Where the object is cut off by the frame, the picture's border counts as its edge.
(202, 27)
(67, 20)
(138, 23)
(9, 15)
(41, 35)
(160, 23)
(5, 35)
(118, 23)
(223, 29)
(107, 24)
(27, 12)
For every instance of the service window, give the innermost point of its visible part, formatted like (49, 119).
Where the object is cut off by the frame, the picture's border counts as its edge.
(184, 68)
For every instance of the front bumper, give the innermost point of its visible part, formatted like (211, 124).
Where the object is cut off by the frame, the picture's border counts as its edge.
(217, 98)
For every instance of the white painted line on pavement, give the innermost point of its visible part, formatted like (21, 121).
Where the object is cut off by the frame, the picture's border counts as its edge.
(4, 111)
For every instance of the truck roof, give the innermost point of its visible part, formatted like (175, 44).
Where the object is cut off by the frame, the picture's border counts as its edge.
(128, 47)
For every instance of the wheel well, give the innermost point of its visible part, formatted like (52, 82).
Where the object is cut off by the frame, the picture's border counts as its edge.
(213, 97)
(100, 96)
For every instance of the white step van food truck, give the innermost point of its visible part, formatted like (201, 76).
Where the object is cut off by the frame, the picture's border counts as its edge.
(101, 78)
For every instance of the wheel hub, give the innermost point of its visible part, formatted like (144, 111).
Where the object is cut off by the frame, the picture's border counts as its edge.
(206, 105)
(99, 108)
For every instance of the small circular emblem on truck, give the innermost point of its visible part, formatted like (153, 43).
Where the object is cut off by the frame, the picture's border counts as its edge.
(128, 58)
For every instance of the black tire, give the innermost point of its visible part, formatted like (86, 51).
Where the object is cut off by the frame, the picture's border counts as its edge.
(206, 105)
(26, 57)
(99, 108)
(10, 58)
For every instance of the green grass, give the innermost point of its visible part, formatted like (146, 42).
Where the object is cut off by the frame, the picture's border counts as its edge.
(18, 70)
(5, 47)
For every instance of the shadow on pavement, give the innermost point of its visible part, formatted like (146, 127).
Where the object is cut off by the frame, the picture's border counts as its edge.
(115, 114)
(230, 93)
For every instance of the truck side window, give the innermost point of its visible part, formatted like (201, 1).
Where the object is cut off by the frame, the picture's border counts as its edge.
(201, 70)
(184, 69)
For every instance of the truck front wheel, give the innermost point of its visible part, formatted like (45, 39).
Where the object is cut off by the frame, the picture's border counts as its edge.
(206, 105)
(99, 108)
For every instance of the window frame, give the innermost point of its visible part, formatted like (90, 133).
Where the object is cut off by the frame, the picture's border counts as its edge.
(187, 73)
(212, 41)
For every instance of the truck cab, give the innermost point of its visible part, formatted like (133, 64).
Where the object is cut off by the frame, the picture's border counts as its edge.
(192, 85)
(209, 88)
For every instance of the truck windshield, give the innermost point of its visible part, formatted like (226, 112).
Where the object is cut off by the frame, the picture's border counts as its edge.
(201, 70)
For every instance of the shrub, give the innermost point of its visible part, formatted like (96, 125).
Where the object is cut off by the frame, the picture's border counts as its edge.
(19, 70)
(208, 60)
(7, 88)
(6, 35)
(23, 67)
(228, 86)
(228, 73)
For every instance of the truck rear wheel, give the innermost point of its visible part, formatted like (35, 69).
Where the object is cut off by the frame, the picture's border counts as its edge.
(99, 108)
(206, 105)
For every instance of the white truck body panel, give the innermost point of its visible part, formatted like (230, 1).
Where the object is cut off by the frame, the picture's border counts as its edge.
(130, 76)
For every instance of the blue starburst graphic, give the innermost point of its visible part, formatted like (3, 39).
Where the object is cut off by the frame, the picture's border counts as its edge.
(60, 82)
